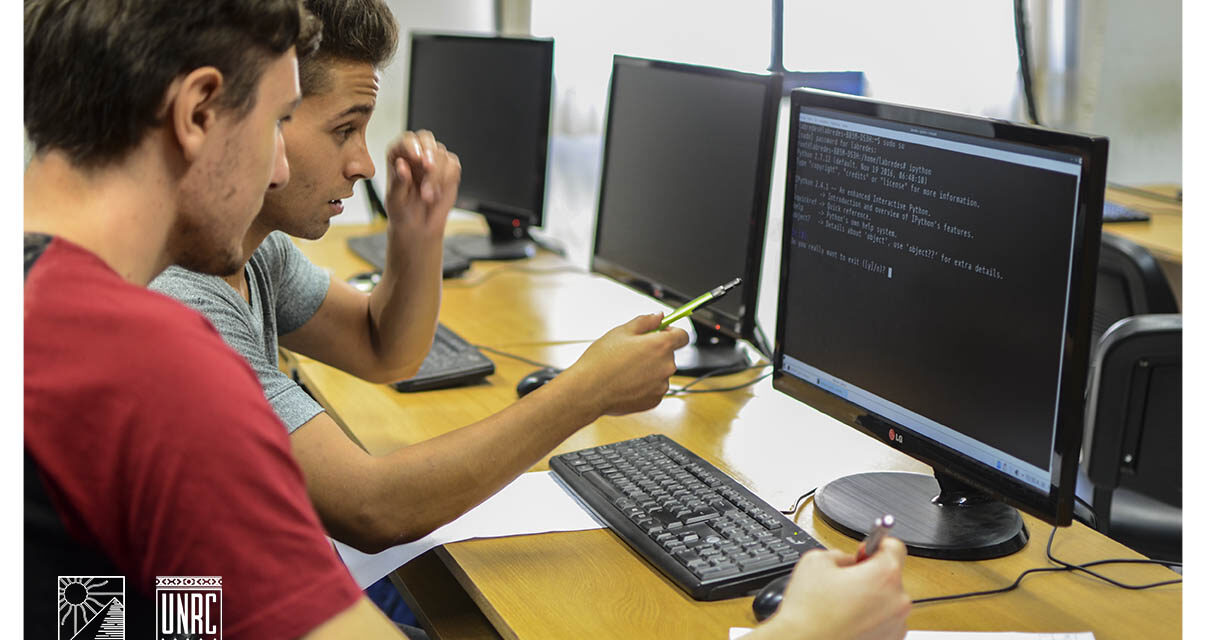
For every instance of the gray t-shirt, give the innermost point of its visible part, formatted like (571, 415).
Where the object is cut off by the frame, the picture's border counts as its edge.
(286, 290)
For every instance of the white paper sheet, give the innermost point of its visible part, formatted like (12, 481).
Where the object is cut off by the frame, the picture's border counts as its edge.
(532, 503)
(738, 632)
(997, 635)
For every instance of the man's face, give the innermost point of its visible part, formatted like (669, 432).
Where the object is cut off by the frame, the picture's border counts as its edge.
(244, 158)
(325, 144)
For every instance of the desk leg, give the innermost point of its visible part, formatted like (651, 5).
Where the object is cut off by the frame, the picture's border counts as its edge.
(442, 606)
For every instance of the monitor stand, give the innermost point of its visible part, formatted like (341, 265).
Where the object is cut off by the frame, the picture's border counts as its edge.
(711, 353)
(507, 241)
(936, 517)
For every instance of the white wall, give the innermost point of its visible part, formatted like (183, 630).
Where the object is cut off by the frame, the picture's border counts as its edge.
(1130, 86)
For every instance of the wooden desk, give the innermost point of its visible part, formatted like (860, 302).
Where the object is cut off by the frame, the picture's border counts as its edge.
(1162, 235)
(589, 584)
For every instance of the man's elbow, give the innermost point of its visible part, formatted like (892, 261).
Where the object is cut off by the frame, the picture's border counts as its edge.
(386, 373)
(372, 530)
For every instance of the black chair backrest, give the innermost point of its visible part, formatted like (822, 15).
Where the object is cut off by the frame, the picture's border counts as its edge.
(1133, 434)
(1130, 282)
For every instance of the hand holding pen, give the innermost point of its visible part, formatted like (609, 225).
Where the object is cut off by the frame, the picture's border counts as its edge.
(880, 528)
(699, 302)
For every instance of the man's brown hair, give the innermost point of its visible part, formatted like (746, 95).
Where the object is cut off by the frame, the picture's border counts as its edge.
(96, 70)
(353, 30)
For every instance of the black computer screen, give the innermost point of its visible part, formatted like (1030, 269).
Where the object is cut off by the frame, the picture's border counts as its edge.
(686, 175)
(487, 99)
(936, 278)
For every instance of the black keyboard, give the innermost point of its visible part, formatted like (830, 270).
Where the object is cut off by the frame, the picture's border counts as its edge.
(1115, 212)
(452, 362)
(692, 521)
(372, 249)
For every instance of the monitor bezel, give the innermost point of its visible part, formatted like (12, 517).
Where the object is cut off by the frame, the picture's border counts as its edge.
(493, 211)
(728, 324)
(1057, 506)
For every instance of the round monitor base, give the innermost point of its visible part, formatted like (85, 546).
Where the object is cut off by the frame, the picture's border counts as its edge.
(974, 531)
(703, 359)
(487, 248)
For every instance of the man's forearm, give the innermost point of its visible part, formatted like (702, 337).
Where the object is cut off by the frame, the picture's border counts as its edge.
(455, 472)
(419, 488)
(403, 308)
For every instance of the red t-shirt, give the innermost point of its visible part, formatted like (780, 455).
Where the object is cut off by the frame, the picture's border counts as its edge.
(156, 447)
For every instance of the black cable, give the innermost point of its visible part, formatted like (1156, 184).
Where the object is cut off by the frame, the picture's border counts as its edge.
(466, 284)
(1066, 566)
(514, 357)
(765, 347)
(685, 389)
(722, 372)
(1024, 58)
(733, 388)
(1083, 568)
(991, 592)
(799, 503)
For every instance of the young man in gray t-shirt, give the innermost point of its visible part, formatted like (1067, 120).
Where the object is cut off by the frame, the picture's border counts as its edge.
(373, 502)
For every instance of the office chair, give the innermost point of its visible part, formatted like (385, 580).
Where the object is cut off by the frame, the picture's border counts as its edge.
(1132, 452)
(1130, 282)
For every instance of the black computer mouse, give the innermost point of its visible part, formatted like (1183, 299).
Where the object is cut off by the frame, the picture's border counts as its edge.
(534, 380)
(768, 599)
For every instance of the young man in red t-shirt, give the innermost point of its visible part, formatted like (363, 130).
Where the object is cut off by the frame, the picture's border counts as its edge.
(149, 448)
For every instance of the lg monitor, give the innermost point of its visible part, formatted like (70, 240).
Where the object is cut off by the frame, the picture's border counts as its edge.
(936, 292)
(683, 194)
(487, 99)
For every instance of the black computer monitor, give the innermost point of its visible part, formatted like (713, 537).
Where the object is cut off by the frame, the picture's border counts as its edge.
(487, 99)
(683, 194)
(936, 292)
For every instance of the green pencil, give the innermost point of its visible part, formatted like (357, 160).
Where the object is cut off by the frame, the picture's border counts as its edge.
(690, 307)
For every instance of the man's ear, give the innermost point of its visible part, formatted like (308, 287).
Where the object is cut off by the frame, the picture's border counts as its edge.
(193, 108)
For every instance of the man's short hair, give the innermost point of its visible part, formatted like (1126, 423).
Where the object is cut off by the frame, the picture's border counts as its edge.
(353, 30)
(96, 70)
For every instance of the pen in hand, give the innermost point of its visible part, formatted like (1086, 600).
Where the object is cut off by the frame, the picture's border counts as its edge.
(705, 298)
(870, 544)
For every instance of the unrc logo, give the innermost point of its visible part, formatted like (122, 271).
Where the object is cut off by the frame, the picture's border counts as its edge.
(188, 608)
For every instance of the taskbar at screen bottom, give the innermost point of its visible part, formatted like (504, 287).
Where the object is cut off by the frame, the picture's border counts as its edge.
(1005, 463)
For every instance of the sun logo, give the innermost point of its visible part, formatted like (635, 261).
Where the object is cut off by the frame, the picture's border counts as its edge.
(92, 607)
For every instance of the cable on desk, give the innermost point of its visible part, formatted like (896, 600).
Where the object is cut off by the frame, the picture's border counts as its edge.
(1063, 567)
(720, 372)
(991, 592)
(799, 503)
(514, 356)
(687, 388)
(1135, 587)
(468, 284)
(683, 389)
